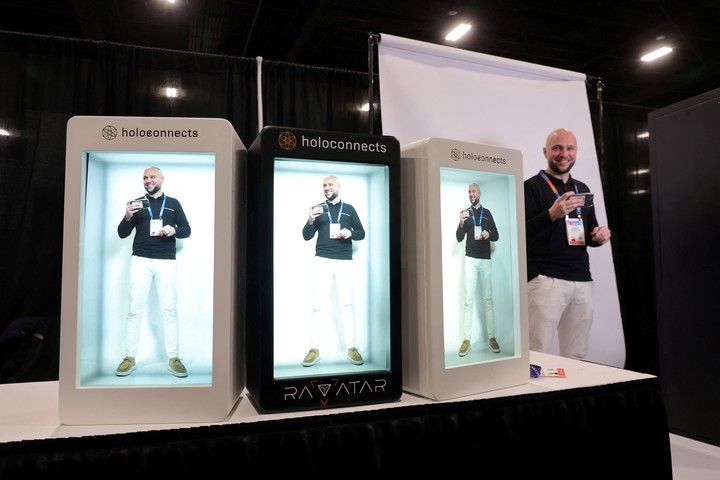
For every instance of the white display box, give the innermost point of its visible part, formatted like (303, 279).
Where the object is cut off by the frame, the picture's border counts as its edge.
(203, 162)
(435, 177)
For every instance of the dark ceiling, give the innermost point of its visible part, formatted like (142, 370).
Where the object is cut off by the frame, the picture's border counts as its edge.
(598, 38)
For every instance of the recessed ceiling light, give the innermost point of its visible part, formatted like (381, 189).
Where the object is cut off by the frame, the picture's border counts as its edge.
(656, 54)
(458, 32)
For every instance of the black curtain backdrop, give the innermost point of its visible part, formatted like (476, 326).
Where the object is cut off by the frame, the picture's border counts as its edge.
(314, 97)
(44, 81)
(625, 171)
(605, 432)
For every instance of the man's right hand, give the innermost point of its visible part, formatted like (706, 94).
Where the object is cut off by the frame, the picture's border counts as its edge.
(463, 216)
(315, 212)
(131, 207)
(565, 204)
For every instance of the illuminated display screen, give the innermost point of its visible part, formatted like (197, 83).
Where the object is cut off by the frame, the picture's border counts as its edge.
(323, 326)
(307, 290)
(113, 179)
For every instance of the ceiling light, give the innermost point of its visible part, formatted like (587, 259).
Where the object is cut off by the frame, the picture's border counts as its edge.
(458, 32)
(171, 92)
(656, 54)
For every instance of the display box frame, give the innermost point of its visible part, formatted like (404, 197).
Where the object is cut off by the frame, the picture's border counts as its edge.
(436, 174)
(204, 163)
(286, 170)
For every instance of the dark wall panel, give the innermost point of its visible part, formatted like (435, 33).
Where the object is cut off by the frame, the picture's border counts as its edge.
(685, 165)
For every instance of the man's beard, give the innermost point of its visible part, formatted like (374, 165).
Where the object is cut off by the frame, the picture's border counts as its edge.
(560, 171)
(153, 191)
(332, 197)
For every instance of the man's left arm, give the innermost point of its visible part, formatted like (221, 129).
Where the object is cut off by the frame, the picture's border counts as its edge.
(596, 234)
(599, 235)
(356, 227)
(492, 228)
(182, 226)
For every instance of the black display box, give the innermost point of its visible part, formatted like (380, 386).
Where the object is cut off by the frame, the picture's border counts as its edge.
(288, 169)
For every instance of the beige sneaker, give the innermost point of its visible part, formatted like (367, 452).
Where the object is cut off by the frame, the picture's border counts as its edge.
(494, 345)
(176, 367)
(464, 348)
(354, 356)
(126, 367)
(311, 358)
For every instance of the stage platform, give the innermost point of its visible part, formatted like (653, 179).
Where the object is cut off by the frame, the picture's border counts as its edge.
(603, 420)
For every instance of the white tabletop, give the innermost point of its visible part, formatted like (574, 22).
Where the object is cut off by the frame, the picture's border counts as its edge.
(29, 411)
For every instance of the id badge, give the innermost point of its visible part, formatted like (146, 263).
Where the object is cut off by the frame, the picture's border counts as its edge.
(156, 226)
(334, 230)
(575, 231)
(478, 232)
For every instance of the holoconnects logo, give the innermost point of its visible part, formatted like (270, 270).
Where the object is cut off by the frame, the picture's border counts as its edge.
(109, 132)
(287, 140)
(457, 155)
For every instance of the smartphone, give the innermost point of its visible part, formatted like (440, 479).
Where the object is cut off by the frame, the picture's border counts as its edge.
(142, 203)
(320, 208)
(587, 197)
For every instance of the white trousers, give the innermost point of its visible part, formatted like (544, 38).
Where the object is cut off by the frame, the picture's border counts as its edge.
(326, 271)
(478, 270)
(562, 306)
(142, 273)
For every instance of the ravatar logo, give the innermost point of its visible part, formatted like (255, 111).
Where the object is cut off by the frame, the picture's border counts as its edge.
(287, 140)
(332, 389)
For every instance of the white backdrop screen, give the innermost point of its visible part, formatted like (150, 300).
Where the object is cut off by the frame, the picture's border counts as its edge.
(430, 90)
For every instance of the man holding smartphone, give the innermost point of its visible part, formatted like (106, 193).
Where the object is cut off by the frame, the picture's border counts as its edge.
(559, 227)
(337, 225)
(157, 220)
(477, 228)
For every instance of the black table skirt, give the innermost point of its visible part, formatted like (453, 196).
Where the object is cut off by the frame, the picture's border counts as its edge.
(609, 431)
